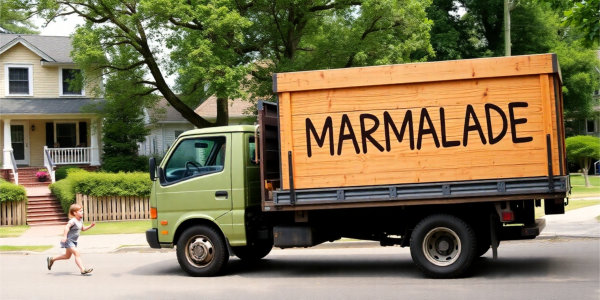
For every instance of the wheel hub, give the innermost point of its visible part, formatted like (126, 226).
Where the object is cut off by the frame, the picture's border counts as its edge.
(441, 246)
(200, 251)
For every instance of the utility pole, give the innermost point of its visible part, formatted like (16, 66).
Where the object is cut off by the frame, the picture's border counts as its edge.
(508, 6)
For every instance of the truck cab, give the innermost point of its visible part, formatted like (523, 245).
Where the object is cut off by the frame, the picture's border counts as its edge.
(200, 195)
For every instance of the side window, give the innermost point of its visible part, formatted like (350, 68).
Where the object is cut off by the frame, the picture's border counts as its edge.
(252, 150)
(196, 157)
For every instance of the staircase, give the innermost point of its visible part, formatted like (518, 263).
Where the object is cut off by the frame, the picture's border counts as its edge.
(43, 208)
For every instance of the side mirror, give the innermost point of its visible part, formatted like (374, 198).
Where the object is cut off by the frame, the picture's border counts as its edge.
(152, 163)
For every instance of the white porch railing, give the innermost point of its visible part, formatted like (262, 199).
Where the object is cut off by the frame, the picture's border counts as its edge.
(14, 167)
(49, 164)
(70, 156)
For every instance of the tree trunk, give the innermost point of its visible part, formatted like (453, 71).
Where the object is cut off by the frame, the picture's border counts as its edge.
(222, 112)
(585, 168)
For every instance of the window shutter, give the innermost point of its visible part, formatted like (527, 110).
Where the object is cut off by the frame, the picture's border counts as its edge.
(50, 135)
(83, 134)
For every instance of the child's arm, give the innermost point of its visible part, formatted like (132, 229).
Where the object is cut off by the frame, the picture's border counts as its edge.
(66, 231)
(88, 227)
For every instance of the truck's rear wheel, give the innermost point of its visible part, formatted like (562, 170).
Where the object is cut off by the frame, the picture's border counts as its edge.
(443, 246)
(253, 252)
(201, 251)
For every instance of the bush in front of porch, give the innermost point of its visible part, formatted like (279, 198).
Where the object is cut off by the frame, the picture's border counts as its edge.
(100, 184)
(11, 192)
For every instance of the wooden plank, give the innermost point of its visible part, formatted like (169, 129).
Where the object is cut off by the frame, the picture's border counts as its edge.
(417, 72)
(123, 201)
(285, 124)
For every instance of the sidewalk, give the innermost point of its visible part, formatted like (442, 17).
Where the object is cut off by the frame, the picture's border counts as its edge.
(579, 223)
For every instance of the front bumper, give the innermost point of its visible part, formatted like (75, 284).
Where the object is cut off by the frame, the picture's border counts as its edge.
(152, 238)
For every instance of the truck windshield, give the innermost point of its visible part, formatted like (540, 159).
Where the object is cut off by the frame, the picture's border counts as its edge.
(196, 157)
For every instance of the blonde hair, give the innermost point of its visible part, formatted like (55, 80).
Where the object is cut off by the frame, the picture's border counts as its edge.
(73, 209)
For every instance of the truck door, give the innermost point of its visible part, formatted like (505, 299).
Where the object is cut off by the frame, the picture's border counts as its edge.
(196, 180)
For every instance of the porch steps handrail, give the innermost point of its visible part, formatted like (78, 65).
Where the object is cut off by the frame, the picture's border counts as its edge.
(14, 167)
(49, 164)
(70, 156)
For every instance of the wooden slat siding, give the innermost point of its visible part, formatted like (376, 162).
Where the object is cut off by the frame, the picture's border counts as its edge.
(413, 73)
(285, 122)
(484, 161)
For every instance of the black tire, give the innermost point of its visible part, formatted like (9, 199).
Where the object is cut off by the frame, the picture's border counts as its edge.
(443, 246)
(201, 251)
(252, 253)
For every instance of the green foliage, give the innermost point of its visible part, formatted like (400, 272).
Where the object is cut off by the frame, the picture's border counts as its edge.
(583, 149)
(584, 16)
(125, 164)
(62, 172)
(11, 192)
(580, 78)
(100, 184)
(64, 192)
(14, 17)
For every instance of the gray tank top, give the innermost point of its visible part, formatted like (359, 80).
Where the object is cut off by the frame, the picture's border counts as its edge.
(75, 230)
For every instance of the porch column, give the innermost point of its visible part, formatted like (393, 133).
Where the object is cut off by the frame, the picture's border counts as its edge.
(6, 161)
(95, 155)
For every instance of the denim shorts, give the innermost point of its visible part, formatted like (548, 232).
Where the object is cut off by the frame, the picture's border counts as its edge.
(68, 244)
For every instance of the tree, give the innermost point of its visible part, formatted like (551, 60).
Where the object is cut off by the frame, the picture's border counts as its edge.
(583, 150)
(15, 18)
(204, 37)
(584, 16)
(307, 35)
(230, 48)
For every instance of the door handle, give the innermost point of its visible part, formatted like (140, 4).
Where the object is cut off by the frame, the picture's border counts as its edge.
(221, 194)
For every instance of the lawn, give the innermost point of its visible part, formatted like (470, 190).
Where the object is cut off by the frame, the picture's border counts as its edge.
(579, 190)
(39, 248)
(12, 231)
(118, 227)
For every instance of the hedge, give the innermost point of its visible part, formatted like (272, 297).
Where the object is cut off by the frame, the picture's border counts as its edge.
(11, 192)
(100, 184)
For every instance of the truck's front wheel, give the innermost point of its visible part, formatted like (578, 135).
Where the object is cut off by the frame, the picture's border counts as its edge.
(443, 246)
(201, 251)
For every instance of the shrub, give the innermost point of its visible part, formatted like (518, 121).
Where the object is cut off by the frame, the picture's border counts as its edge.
(100, 184)
(125, 164)
(64, 192)
(11, 192)
(62, 172)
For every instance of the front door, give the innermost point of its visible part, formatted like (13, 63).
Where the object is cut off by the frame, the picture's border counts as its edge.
(196, 181)
(20, 142)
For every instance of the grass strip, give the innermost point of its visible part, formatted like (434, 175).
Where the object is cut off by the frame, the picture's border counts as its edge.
(118, 227)
(38, 248)
(12, 231)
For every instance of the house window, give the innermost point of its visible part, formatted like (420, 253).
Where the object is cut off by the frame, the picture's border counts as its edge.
(19, 80)
(70, 82)
(590, 126)
(178, 133)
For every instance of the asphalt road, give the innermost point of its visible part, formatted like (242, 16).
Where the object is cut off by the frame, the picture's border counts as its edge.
(539, 269)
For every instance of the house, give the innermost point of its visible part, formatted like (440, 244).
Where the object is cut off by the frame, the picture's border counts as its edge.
(166, 123)
(42, 108)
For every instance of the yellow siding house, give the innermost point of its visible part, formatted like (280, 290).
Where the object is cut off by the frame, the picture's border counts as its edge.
(43, 115)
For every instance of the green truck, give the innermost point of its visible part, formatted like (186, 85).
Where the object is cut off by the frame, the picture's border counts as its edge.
(446, 158)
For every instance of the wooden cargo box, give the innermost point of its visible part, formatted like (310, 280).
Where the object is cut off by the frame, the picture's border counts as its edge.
(491, 120)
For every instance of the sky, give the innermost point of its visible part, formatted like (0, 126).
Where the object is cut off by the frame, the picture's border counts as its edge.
(60, 27)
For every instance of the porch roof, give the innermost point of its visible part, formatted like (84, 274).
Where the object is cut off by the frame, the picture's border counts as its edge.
(43, 106)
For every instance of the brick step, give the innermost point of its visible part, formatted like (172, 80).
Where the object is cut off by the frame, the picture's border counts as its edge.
(34, 184)
(45, 211)
(41, 198)
(46, 223)
(43, 205)
(54, 218)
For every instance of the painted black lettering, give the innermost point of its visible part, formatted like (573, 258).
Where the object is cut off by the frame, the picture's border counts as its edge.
(470, 114)
(350, 136)
(446, 143)
(327, 128)
(430, 130)
(514, 122)
(388, 122)
(488, 117)
(366, 134)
